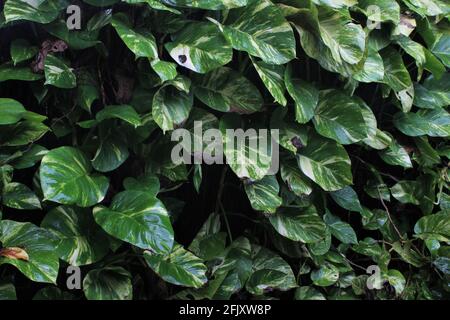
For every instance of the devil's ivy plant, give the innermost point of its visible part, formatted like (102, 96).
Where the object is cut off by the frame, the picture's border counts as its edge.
(359, 93)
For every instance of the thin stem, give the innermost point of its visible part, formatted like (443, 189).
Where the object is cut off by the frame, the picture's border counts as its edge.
(390, 217)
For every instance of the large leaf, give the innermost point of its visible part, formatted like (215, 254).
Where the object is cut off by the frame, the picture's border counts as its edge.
(67, 178)
(248, 153)
(326, 163)
(58, 74)
(81, 241)
(179, 267)
(341, 230)
(108, 283)
(200, 47)
(11, 111)
(9, 72)
(434, 227)
(269, 272)
(433, 93)
(299, 225)
(142, 44)
(38, 262)
(139, 218)
(42, 11)
(228, 91)
(434, 123)
(261, 30)
(171, 107)
(340, 118)
(273, 78)
(263, 194)
(19, 196)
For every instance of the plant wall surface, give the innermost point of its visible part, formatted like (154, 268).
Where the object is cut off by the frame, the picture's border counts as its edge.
(355, 94)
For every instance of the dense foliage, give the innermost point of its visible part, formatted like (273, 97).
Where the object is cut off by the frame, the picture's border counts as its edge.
(359, 90)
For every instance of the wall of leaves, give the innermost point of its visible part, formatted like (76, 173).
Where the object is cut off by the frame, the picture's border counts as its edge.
(358, 89)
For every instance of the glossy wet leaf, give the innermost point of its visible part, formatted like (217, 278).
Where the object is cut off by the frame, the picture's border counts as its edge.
(67, 177)
(261, 30)
(42, 264)
(19, 196)
(139, 218)
(179, 267)
(326, 163)
(81, 241)
(58, 74)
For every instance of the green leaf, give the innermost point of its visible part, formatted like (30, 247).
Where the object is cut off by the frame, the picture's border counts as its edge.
(66, 177)
(52, 293)
(434, 227)
(299, 225)
(111, 153)
(11, 111)
(19, 196)
(406, 192)
(433, 93)
(340, 118)
(58, 74)
(347, 199)
(123, 112)
(397, 280)
(24, 132)
(108, 283)
(273, 78)
(30, 157)
(22, 50)
(345, 39)
(228, 91)
(396, 155)
(87, 90)
(269, 272)
(263, 194)
(261, 30)
(155, 4)
(340, 229)
(141, 43)
(41, 11)
(434, 123)
(9, 72)
(305, 95)
(308, 293)
(148, 183)
(39, 245)
(200, 47)
(171, 107)
(326, 163)
(179, 267)
(208, 4)
(325, 276)
(139, 218)
(381, 10)
(294, 178)
(81, 241)
(7, 291)
(248, 153)
(75, 39)
(397, 77)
